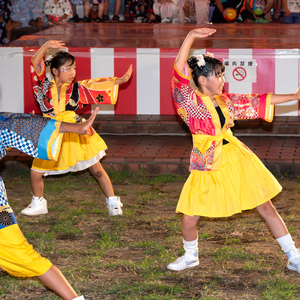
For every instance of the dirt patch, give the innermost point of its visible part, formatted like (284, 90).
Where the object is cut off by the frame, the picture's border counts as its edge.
(126, 257)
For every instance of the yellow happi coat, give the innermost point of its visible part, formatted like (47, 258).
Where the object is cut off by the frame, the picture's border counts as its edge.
(77, 152)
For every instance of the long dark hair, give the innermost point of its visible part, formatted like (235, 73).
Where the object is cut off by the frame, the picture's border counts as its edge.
(59, 59)
(211, 67)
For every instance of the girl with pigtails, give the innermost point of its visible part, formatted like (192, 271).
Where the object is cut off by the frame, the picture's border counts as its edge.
(225, 176)
(59, 99)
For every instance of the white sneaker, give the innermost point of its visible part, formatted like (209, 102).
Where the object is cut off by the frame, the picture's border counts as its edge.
(294, 260)
(121, 18)
(38, 206)
(184, 262)
(139, 20)
(165, 20)
(114, 205)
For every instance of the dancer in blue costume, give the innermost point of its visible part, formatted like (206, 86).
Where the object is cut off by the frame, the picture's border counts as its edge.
(41, 138)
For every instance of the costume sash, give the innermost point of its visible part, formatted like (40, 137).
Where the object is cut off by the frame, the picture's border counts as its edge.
(204, 142)
(66, 116)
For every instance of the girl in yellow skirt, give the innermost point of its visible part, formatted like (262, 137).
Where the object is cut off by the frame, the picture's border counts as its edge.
(37, 137)
(226, 177)
(59, 99)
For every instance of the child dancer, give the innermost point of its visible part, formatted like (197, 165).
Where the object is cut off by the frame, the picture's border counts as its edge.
(226, 177)
(38, 137)
(59, 99)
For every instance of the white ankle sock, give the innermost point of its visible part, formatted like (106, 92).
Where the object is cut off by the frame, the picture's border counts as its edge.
(79, 298)
(286, 243)
(191, 245)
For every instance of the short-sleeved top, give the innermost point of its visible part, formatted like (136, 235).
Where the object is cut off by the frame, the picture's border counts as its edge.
(25, 10)
(200, 115)
(72, 96)
(57, 10)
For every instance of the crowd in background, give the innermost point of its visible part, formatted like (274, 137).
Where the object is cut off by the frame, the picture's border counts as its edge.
(41, 14)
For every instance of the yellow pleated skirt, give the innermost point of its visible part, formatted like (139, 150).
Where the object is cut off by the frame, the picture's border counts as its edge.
(17, 257)
(77, 153)
(241, 182)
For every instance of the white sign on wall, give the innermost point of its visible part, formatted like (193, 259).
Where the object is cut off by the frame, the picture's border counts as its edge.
(240, 70)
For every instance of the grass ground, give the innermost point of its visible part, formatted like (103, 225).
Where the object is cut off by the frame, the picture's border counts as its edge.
(126, 257)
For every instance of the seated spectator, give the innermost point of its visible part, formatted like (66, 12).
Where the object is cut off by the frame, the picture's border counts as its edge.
(57, 12)
(249, 16)
(115, 11)
(198, 11)
(193, 11)
(28, 13)
(87, 7)
(111, 10)
(292, 11)
(6, 24)
(168, 10)
(5, 10)
(142, 11)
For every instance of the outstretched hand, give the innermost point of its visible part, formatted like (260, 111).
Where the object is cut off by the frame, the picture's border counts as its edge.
(126, 76)
(80, 128)
(85, 126)
(203, 32)
(297, 94)
(53, 44)
(198, 33)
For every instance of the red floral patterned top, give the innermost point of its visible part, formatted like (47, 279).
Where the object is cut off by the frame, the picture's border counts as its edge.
(72, 96)
(200, 115)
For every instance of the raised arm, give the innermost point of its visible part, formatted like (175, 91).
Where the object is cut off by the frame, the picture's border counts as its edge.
(276, 99)
(38, 56)
(182, 56)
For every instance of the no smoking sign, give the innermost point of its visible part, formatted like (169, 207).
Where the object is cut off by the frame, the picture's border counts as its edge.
(240, 71)
(239, 74)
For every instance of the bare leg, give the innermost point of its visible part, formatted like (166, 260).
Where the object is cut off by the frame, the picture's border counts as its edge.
(278, 10)
(273, 219)
(40, 24)
(190, 245)
(100, 10)
(38, 204)
(106, 7)
(118, 4)
(86, 8)
(37, 183)
(56, 281)
(189, 227)
(10, 26)
(81, 128)
(103, 179)
(74, 10)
